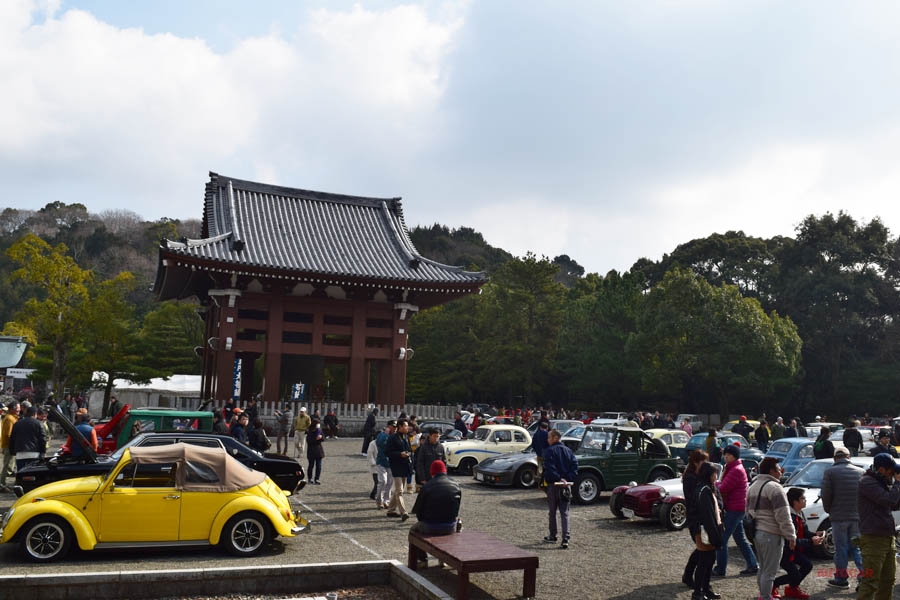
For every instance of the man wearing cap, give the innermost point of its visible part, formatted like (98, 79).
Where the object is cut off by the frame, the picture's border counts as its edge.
(884, 445)
(437, 505)
(301, 425)
(733, 487)
(430, 450)
(840, 489)
(767, 502)
(743, 427)
(879, 494)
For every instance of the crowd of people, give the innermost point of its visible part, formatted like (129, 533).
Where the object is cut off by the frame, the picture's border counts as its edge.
(858, 501)
(24, 438)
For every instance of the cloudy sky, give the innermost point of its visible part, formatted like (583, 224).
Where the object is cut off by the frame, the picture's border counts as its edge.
(608, 131)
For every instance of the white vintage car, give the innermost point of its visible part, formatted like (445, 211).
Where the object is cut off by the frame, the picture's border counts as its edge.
(810, 479)
(489, 440)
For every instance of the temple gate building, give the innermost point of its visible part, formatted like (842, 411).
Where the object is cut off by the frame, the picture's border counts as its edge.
(302, 280)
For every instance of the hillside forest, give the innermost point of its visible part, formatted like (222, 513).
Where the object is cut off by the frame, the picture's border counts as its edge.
(723, 324)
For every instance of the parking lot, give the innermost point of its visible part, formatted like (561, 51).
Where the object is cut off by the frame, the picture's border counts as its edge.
(607, 558)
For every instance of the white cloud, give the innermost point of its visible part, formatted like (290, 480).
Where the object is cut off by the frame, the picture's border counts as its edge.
(118, 106)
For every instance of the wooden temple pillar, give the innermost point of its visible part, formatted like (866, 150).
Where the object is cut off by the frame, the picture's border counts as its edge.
(274, 343)
(391, 388)
(227, 339)
(358, 376)
(207, 390)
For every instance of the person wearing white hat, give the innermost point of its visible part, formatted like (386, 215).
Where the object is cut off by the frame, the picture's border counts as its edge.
(301, 424)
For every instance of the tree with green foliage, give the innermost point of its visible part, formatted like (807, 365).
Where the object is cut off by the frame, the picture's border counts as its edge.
(109, 342)
(518, 322)
(58, 317)
(445, 343)
(569, 270)
(731, 258)
(697, 340)
(600, 317)
(169, 335)
(839, 281)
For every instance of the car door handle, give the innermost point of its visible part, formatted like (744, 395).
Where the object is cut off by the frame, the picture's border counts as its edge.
(174, 497)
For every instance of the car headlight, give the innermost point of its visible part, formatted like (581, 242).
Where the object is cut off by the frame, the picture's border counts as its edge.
(6, 517)
(663, 493)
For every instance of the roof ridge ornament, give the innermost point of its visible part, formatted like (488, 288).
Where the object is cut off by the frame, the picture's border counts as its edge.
(237, 244)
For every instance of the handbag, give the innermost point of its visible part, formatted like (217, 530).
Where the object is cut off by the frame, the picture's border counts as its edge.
(750, 520)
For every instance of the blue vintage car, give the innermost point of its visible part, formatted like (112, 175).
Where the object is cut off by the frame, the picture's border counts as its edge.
(748, 452)
(793, 453)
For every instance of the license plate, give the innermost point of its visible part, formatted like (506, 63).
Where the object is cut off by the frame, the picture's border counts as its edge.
(629, 514)
(479, 477)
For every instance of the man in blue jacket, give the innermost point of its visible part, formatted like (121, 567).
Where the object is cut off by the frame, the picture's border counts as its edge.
(560, 467)
(539, 444)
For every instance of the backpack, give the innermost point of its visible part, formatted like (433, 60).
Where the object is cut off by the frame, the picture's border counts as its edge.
(750, 520)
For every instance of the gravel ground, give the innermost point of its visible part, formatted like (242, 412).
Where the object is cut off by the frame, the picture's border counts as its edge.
(607, 558)
(375, 592)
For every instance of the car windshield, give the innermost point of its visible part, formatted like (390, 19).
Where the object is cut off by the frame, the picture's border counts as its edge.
(482, 433)
(597, 440)
(780, 447)
(133, 441)
(576, 431)
(810, 475)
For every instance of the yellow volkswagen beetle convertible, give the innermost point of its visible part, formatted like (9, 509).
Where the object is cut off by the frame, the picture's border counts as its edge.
(178, 494)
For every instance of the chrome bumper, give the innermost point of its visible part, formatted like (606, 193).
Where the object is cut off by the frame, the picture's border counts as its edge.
(302, 525)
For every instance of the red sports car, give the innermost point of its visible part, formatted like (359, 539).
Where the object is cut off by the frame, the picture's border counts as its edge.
(661, 500)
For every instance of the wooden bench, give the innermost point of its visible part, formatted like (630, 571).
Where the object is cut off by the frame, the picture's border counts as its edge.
(474, 552)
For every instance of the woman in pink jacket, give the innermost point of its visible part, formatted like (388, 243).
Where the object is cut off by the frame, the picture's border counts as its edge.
(733, 487)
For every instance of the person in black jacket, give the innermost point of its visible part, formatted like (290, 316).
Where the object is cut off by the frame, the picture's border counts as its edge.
(27, 441)
(743, 427)
(314, 450)
(257, 438)
(883, 445)
(437, 505)
(762, 435)
(689, 487)
(430, 449)
(560, 470)
(369, 430)
(794, 560)
(823, 448)
(710, 531)
(853, 439)
(399, 454)
(792, 430)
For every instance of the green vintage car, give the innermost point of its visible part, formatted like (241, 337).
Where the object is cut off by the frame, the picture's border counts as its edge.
(611, 456)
